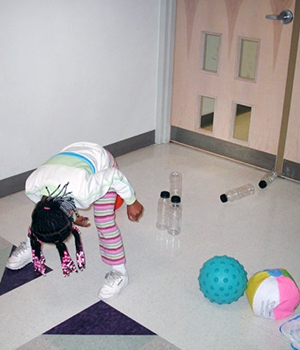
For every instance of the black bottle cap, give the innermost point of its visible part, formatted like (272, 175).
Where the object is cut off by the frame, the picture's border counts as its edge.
(165, 194)
(175, 199)
(262, 184)
(223, 198)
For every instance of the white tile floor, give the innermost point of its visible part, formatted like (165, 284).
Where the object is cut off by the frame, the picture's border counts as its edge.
(261, 231)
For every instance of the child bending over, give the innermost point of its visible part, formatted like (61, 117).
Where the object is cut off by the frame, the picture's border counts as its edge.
(81, 175)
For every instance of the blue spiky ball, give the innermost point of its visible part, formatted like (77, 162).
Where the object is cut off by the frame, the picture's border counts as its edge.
(222, 279)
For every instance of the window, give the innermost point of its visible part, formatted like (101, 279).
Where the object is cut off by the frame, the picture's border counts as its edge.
(206, 113)
(248, 59)
(211, 44)
(241, 122)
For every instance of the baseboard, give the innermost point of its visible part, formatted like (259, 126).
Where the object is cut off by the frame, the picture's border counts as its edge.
(16, 183)
(132, 144)
(291, 170)
(13, 184)
(223, 148)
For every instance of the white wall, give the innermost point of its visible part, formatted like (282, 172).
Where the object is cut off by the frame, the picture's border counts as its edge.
(74, 70)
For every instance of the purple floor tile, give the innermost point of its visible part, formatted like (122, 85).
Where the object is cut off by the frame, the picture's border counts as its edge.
(100, 319)
(12, 279)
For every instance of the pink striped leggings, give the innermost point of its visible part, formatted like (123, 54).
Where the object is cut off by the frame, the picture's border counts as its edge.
(110, 239)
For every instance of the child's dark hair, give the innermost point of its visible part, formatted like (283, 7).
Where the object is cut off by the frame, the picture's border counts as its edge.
(52, 222)
(49, 223)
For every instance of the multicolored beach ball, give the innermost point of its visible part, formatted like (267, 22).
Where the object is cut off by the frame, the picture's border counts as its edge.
(273, 294)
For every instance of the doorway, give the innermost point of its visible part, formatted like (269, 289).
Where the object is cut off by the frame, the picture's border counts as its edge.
(231, 65)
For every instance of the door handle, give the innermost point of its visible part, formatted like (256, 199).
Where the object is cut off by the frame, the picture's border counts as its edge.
(285, 16)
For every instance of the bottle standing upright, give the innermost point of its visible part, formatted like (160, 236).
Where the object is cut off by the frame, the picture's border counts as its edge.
(175, 216)
(163, 208)
(175, 184)
(237, 193)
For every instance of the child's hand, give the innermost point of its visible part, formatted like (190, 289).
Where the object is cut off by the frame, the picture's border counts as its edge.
(82, 221)
(134, 211)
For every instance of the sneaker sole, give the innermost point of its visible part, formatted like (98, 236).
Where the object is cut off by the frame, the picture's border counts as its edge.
(18, 267)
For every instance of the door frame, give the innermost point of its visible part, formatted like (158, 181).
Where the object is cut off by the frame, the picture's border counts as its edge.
(167, 20)
(279, 166)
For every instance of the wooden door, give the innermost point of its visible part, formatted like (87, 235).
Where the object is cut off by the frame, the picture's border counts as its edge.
(230, 72)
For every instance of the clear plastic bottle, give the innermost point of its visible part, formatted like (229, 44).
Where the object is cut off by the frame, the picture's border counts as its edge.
(291, 329)
(176, 183)
(267, 179)
(237, 193)
(175, 216)
(163, 207)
